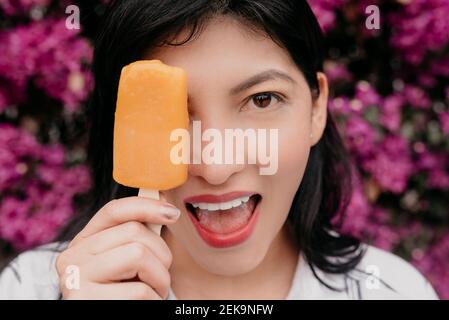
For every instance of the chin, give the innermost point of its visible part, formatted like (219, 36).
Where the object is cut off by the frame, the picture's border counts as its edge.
(233, 264)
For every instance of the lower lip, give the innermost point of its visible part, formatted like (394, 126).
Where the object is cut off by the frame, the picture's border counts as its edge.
(221, 240)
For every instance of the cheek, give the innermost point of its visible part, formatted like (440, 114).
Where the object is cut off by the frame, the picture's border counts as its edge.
(295, 142)
(294, 149)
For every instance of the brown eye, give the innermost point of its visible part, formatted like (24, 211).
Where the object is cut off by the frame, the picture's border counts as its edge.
(263, 100)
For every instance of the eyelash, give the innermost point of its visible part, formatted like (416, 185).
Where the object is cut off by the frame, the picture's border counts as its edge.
(271, 94)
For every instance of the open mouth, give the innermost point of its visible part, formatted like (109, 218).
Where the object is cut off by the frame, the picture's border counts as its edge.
(224, 217)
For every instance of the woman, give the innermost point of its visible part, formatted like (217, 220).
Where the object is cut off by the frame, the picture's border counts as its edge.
(250, 64)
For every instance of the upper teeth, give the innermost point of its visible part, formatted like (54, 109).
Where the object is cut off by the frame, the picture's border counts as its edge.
(221, 205)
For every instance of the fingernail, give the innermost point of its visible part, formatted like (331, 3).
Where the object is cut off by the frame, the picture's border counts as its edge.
(170, 212)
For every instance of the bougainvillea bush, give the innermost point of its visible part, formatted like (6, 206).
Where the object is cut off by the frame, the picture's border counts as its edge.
(44, 82)
(389, 94)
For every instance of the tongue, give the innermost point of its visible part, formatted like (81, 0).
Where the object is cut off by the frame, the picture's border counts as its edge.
(226, 221)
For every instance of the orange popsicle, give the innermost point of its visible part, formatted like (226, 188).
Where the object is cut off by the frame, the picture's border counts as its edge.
(151, 103)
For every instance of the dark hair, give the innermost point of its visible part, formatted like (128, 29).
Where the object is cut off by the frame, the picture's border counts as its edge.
(132, 27)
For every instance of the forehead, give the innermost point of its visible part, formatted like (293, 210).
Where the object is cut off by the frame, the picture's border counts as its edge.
(224, 46)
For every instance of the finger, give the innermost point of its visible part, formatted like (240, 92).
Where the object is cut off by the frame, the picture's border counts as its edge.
(126, 262)
(114, 291)
(125, 233)
(74, 256)
(129, 209)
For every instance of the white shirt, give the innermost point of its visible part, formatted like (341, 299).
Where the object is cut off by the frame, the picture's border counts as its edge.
(379, 275)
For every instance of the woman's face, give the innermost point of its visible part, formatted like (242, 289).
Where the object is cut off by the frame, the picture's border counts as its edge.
(225, 56)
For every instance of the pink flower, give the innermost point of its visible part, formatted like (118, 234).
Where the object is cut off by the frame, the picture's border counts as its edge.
(438, 179)
(434, 264)
(390, 115)
(363, 221)
(421, 26)
(435, 164)
(36, 188)
(325, 12)
(51, 56)
(357, 213)
(340, 105)
(367, 94)
(391, 165)
(440, 66)
(360, 136)
(444, 122)
(427, 160)
(337, 72)
(416, 97)
(16, 7)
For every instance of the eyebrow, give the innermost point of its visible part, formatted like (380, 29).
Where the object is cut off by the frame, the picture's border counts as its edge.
(270, 74)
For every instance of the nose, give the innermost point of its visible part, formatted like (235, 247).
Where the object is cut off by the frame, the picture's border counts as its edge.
(212, 173)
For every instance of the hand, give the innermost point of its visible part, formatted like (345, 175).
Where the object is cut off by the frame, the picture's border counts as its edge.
(117, 256)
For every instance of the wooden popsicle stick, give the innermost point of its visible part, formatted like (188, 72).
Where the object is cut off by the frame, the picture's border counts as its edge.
(152, 194)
